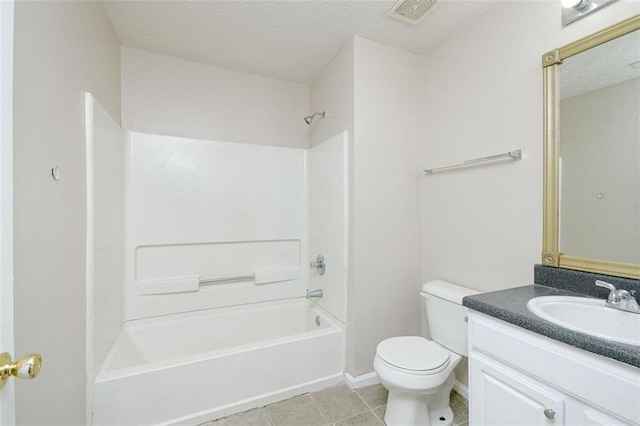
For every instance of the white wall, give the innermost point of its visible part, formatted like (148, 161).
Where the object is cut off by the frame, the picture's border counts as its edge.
(333, 93)
(206, 209)
(600, 152)
(371, 88)
(175, 97)
(482, 226)
(105, 242)
(62, 50)
(384, 299)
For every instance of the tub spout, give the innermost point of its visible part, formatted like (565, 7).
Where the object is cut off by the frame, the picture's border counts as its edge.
(314, 294)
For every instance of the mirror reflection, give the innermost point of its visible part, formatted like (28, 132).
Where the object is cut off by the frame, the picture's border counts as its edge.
(599, 149)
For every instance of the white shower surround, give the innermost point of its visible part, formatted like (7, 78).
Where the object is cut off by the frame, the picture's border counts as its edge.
(207, 209)
(210, 209)
(194, 367)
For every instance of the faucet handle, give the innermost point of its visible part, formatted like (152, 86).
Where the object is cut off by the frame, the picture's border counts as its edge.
(620, 299)
(606, 285)
(319, 264)
(614, 294)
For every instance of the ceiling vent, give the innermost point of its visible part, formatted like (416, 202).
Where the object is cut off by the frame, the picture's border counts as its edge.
(411, 11)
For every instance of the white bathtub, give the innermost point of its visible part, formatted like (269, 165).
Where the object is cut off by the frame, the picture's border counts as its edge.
(190, 368)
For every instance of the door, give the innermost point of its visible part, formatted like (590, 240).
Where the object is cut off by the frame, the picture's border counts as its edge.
(7, 405)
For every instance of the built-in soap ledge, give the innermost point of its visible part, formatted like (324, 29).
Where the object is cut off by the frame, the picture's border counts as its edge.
(193, 283)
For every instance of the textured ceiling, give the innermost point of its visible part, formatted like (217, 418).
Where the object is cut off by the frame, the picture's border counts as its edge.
(601, 66)
(288, 40)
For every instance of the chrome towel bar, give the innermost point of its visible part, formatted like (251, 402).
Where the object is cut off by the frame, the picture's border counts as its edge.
(513, 155)
(227, 279)
(260, 277)
(193, 282)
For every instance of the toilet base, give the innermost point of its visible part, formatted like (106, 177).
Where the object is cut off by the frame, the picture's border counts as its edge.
(442, 417)
(420, 409)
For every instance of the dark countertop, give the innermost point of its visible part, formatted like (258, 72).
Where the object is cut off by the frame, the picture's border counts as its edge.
(510, 305)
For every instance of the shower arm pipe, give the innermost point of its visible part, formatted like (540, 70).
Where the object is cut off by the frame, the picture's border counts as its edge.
(513, 155)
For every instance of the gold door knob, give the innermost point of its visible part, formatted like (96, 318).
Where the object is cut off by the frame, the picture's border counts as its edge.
(26, 367)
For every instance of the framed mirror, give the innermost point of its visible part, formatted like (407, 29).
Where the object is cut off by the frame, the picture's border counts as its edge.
(592, 153)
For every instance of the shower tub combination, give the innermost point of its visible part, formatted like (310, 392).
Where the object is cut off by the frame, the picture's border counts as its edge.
(199, 366)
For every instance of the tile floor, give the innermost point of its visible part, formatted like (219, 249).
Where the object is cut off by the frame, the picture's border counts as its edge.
(338, 405)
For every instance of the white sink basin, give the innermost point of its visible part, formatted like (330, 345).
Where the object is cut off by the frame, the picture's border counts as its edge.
(589, 316)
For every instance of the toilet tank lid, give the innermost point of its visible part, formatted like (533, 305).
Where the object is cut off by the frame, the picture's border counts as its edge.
(448, 291)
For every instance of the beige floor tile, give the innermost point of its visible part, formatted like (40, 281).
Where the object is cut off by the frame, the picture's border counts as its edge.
(338, 403)
(257, 417)
(365, 419)
(299, 410)
(380, 412)
(460, 408)
(374, 395)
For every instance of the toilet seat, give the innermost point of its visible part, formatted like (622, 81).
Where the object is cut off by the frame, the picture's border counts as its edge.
(413, 355)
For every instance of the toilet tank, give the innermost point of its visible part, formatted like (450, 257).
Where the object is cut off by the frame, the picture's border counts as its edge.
(446, 317)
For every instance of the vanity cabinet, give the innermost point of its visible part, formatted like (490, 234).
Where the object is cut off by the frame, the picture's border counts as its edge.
(517, 377)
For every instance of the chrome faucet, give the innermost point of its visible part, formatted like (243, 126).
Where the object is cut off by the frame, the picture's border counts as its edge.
(619, 298)
(313, 294)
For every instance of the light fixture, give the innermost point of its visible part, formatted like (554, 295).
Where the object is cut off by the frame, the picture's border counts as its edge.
(572, 10)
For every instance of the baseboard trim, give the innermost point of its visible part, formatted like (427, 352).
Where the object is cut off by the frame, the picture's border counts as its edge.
(463, 390)
(361, 381)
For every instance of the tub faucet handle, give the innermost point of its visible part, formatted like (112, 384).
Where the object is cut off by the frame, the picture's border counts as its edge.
(318, 264)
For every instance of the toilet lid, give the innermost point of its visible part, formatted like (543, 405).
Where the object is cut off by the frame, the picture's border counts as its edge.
(412, 353)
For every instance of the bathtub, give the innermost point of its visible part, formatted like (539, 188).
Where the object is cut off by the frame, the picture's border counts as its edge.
(194, 367)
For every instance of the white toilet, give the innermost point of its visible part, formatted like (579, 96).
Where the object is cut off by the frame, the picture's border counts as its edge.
(419, 372)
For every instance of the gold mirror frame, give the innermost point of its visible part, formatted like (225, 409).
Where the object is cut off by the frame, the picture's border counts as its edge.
(550, 61)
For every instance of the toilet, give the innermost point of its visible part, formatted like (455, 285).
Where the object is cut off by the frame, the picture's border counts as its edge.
(418, 372)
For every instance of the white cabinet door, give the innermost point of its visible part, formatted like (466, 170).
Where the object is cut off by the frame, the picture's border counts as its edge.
(580, 414)
(501, 396)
